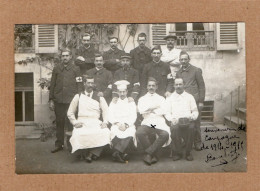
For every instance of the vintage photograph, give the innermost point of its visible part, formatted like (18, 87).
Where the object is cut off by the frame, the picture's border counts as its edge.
(130, 98)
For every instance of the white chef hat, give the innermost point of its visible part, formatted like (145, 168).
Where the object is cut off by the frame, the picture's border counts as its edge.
(122, 84)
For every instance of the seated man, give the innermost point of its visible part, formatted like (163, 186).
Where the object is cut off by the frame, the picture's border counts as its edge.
(122, 116)
(150, 106)
(181, 112)
(89, 134)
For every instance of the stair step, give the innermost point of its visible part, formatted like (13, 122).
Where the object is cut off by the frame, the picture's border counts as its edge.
(233, 122)
(240, 109)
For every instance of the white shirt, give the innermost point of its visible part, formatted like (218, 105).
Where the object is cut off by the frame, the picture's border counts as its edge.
(181, 105)
(122, 112)
(147, 102)
(170, 55)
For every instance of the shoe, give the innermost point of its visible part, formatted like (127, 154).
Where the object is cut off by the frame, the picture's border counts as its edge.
(94, 157)
(197, 147)
(125, 156)
(189, 157)
(88, 158)
(116, 157)
(56, 149)
(176, 157)
(147, 159)
(154, 160)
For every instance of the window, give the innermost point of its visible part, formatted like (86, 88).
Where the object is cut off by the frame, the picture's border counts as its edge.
(24, 97)
(194, 36)
(24, 38)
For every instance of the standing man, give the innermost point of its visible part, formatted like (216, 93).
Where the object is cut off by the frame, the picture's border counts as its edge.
(170, 54)
(122, 116)
(103, 78)
(66, 81)
(126, 72)
(85, 54)
(89, 135)
(193, 84)
(160, 71)
(151, 108)
(141, 55)
(181, 112)
(113, 55)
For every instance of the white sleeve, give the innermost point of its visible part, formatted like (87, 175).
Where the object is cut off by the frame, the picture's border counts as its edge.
(111, 113)
(133, 114)
(104, 108)
(142, 106)
(161, 110)
(193, 108)
(167, 109)
(73, 109)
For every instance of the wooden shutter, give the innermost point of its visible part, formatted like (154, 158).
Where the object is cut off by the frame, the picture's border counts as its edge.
(157, 33)
(46, 38)
(227, 36)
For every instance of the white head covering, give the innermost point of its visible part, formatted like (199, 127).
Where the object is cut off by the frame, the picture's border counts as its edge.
(122, 84)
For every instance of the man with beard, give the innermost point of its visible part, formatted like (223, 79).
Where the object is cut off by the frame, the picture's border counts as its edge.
(160, 71)
(170, 54)
(85, 54)
(151, 108)
(89, 135)
(113, 55)
(129, 74)
(141, 55)
(66, 81)
(122, 116)
(103, 78)
(193, 84)
(181, 112)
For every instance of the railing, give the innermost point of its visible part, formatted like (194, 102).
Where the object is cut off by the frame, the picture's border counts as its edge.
(194, 40)
(238, 101)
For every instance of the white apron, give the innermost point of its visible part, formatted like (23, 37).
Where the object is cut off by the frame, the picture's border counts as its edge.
(90, 135)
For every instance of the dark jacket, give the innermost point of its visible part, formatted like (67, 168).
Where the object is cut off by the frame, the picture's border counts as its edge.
(103, 81)
(140, 57)
(88, 54)
(110, 57)
(65, 83)
(132, 76)
(161, 72)
(193, 82)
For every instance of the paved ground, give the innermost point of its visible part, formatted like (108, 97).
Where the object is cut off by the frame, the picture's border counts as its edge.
(224, 150)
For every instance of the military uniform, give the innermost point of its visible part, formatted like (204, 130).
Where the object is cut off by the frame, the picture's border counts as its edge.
(103, 81)
(65, 83)
(194, 84)
(110, 57)
(88, 54)
(162, 73)
(132, 76)
(140, 57)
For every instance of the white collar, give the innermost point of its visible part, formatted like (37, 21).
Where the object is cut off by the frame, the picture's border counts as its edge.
(91, 93)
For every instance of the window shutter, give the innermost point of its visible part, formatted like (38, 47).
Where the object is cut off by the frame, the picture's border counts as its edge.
(46, 38)
(157, 33)
(227, 36)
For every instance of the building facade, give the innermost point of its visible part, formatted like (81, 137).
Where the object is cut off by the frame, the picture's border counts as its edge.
(217, 48)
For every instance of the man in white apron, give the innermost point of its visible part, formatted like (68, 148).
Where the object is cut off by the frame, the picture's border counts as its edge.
(89, 134)
(122, 116)
(151, 107)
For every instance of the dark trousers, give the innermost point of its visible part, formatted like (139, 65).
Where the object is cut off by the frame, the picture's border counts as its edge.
(144, 133)
(96, 151)
(197, 130)
(185, 133)
(61, 121)
(121, 144)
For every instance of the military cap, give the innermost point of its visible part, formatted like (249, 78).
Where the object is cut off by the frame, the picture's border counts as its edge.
(170, 36)
(126, 55)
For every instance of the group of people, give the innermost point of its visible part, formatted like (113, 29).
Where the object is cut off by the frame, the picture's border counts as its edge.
(150, 98)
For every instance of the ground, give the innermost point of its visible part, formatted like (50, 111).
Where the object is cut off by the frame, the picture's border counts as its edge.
(224, 150)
